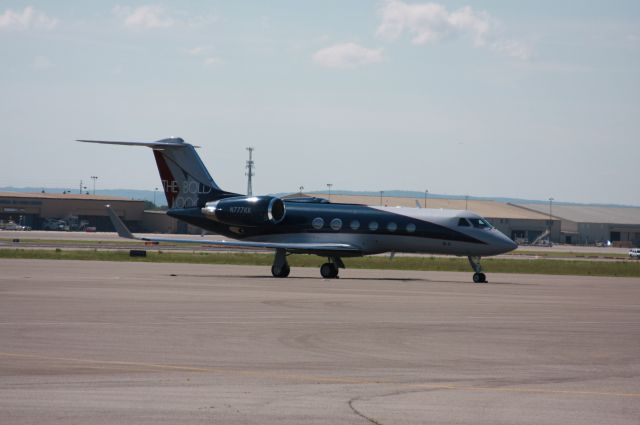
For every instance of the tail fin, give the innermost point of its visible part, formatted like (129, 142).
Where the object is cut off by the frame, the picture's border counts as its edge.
(185, 180)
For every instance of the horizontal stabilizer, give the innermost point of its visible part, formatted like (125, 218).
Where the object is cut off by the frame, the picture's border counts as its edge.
(172, 141)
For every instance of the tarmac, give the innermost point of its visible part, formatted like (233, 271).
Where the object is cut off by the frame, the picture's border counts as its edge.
(146, 343)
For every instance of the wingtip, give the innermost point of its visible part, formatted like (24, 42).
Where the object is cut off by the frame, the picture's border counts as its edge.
(118, 224)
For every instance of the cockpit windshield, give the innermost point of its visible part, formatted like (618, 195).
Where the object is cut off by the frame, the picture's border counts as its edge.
(480, 223)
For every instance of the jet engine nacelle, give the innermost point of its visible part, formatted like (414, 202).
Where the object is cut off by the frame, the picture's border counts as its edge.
(246, 210)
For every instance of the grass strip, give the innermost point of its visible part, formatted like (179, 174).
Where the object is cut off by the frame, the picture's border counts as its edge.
(490, 265)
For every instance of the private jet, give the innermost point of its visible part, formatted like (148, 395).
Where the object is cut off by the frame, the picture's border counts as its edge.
(309, 225)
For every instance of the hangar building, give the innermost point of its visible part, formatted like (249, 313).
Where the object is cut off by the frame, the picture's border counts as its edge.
(588, 224)
(34, 209)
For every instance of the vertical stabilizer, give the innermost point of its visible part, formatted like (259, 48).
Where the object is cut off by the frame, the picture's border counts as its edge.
(185, 180)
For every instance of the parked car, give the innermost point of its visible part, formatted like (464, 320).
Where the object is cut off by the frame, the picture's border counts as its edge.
(634, 253)
(54, 224)
(14, 226)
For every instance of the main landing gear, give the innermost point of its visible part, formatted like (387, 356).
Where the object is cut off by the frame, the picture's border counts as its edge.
(280, 267)
(330, 270)
(478, 276)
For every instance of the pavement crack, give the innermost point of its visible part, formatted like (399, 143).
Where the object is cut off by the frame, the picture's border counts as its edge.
(359, 413)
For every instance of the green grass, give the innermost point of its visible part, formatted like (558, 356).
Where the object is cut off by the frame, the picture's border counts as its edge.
(529, 266)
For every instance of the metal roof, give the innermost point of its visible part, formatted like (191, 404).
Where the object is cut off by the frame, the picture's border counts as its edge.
(68, 196)
(489, 209)
(589, 213)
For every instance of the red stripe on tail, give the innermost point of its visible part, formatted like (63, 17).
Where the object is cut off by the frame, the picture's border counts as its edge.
(169, 184)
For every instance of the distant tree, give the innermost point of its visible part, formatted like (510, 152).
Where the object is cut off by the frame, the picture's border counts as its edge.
(148, 205)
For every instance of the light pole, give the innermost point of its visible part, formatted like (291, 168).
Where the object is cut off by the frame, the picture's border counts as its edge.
(154, 197)
(81, 187)
(550, 215)
(426, 193)
(466, 202)
(301, 189)
(329, 187)
(94, 178)
(381, 193)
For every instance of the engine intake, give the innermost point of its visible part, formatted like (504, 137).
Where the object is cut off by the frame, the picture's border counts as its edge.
(246, 211)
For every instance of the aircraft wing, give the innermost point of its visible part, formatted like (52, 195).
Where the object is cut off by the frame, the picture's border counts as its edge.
(299, 247)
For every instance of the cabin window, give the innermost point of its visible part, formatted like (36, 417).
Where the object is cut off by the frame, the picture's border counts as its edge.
(480, 223)
(463, 222)
(392, 227)
(317, 223)
(373, 226)
(411, 227)
(355, 225)
(336, 224)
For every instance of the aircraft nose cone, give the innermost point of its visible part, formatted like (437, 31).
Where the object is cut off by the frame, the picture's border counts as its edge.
(503, 243)
(508, 244)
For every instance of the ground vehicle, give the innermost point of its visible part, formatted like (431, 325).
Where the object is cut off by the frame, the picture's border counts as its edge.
(11, 225)
(54, 224)
(634, 253)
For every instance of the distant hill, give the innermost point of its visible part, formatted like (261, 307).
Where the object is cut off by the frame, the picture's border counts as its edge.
(148, 195)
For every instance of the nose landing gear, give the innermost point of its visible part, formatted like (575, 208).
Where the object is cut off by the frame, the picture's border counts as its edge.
(478, 276)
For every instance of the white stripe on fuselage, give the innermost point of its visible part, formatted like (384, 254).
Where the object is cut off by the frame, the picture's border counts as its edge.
(372, 242)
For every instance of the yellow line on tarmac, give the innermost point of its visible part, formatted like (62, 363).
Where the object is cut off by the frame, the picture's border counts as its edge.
(143, 366)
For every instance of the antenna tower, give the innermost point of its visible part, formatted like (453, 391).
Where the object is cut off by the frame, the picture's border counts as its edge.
(249, 172)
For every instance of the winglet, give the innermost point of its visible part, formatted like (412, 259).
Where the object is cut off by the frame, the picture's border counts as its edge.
(121, 228)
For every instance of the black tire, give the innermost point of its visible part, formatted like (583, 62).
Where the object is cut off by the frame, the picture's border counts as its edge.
(280, 271)
(335, 271)
(329, 270)
(483, 278)
(478, 277)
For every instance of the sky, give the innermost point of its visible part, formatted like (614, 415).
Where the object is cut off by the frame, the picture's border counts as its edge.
(531, 99)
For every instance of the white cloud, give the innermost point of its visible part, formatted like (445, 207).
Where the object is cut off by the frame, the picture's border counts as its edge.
(144, 17)
(42, 63)
(513, 49)
(212, 61)
(153, 16)
(346, 55)
(204, 52)
(196, 51)
(431, 22)
(29, 18)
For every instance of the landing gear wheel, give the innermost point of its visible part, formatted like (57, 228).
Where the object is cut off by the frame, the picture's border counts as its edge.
(329, 270)
(280, 271)
(479, 278)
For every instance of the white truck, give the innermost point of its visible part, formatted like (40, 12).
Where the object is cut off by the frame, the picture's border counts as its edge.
(634, 253)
